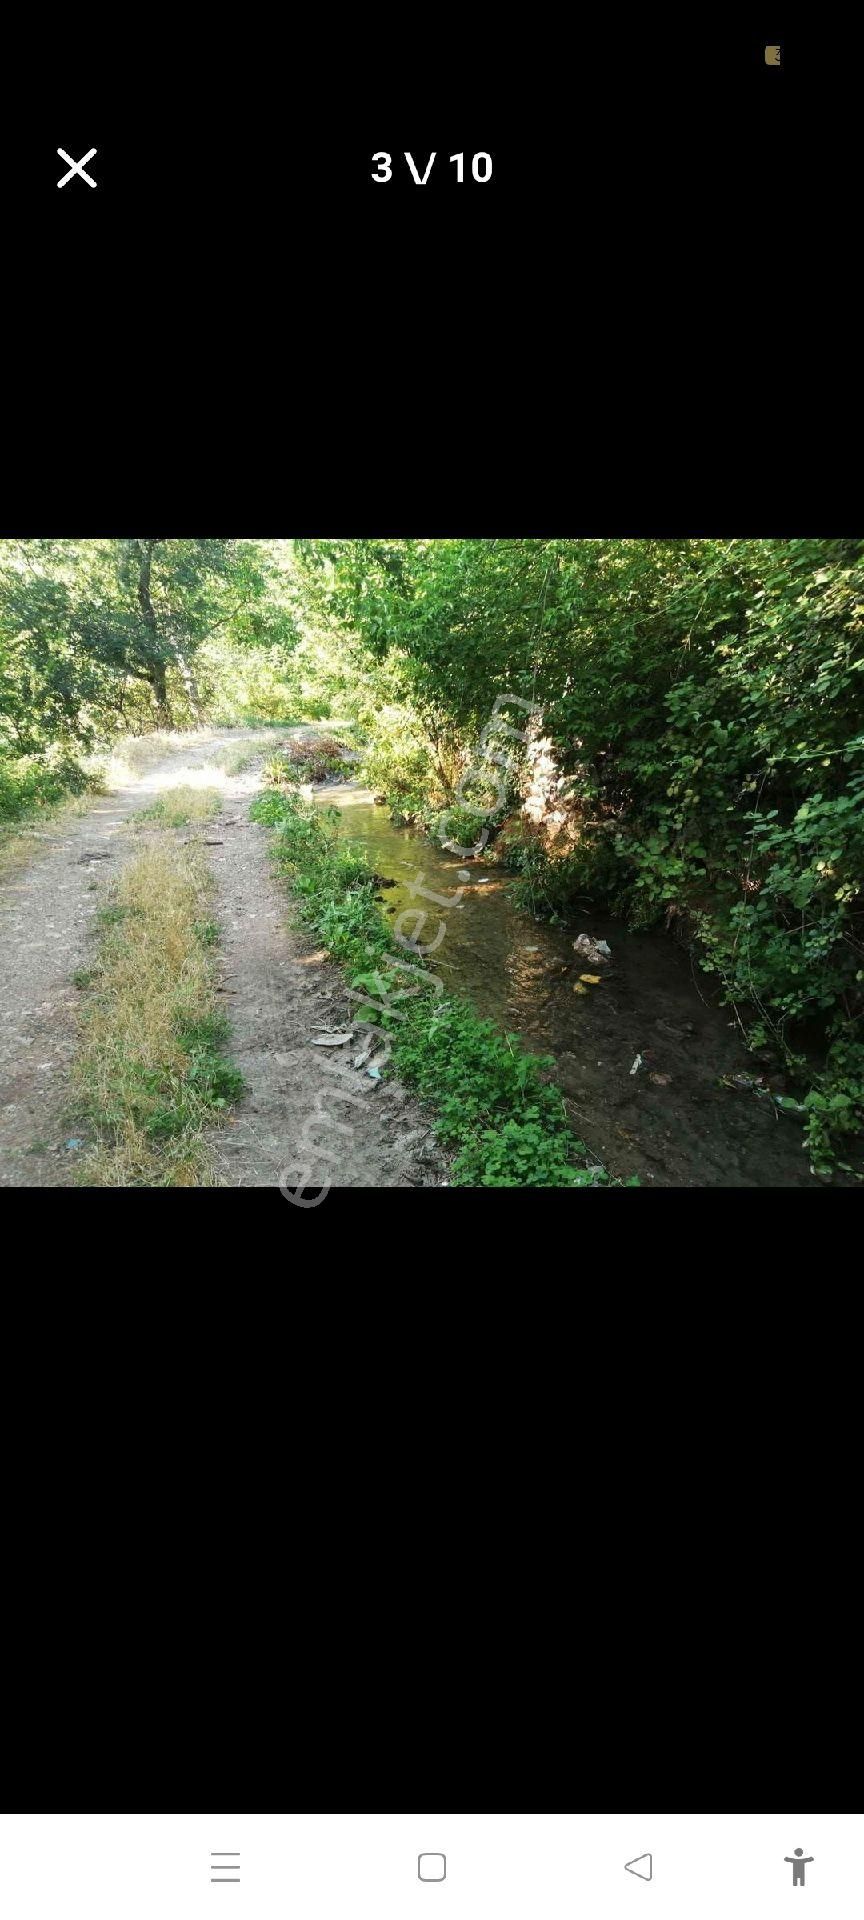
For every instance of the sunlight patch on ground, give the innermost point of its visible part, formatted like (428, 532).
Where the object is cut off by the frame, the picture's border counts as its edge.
(143, 751)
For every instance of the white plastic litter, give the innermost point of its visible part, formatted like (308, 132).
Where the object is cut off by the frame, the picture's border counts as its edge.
(594, 950)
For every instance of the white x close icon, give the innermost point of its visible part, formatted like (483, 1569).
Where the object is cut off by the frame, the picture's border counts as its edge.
(76, 166)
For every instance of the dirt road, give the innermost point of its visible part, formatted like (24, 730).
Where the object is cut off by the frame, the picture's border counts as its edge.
(278, 993)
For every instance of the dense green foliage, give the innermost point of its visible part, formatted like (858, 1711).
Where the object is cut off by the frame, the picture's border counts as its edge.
(492, 1103)
(704, 701)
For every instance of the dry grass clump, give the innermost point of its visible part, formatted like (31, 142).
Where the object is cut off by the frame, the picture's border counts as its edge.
(151, 1074)
(180, 806)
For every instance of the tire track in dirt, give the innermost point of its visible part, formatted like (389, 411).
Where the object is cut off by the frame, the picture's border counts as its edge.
(278, 993)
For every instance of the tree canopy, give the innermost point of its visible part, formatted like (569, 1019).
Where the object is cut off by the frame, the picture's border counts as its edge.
(95, 634)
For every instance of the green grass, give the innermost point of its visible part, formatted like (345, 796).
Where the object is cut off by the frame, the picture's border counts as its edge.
(207, 932)
(494, 1108)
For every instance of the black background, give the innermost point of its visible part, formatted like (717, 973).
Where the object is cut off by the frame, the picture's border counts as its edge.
(221, 1470)
(434, 1523)
(644, 323)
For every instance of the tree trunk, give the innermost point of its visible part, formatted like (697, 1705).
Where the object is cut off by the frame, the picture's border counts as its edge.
(156, 672)
(190, 684)
(435, 737)
(160, 693)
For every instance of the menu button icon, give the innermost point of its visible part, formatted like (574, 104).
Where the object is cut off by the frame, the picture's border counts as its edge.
(225, 1869)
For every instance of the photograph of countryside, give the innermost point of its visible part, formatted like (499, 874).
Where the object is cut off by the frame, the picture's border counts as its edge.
(431, 863)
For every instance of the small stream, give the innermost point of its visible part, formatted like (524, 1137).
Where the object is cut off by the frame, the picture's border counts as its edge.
(682, 1129)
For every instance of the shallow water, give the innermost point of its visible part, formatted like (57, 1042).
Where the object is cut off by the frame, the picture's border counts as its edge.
(687, 1131)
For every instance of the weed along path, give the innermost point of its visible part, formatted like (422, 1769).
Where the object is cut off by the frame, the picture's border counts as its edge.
(278, 993)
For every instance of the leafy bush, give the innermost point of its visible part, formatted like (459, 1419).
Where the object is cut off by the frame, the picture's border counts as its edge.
(399, 767)
(27, 785)
(268, 809)
(494, 1107)
(550, 884)
(460, 827)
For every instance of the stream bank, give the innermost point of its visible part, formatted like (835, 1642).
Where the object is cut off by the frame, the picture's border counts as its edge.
(672, 1122)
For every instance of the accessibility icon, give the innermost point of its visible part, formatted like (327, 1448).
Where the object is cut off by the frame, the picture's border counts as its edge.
(642, 1866)
(798, 1863)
